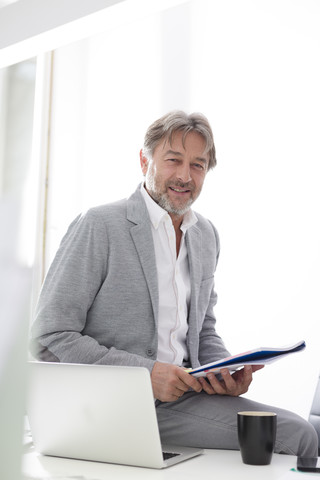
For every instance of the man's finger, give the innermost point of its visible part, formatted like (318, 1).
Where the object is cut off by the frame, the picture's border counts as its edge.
(216, 384)
(190, 381)
(230, 383)
(247, 375)
(207, 387)
(255, 368)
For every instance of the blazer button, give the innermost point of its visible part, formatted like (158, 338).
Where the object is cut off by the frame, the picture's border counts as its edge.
(150, 352)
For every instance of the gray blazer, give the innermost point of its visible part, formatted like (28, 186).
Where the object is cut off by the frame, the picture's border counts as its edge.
(99, 301)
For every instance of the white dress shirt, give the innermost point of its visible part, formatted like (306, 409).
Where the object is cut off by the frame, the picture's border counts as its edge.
(173, 281)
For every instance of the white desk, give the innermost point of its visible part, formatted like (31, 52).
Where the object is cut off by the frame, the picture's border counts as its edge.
(213, 464)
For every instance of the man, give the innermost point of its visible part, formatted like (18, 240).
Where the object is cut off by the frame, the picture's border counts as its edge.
(133, 284)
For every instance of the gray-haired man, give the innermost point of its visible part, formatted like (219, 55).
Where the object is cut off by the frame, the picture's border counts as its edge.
(133, 284)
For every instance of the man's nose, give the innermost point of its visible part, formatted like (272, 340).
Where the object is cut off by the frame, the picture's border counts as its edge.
(183, 173)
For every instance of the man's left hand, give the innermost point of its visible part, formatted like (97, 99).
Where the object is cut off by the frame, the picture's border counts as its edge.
(232, 385)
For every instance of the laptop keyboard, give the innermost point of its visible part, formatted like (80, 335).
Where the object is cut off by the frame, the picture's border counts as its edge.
(167, 455)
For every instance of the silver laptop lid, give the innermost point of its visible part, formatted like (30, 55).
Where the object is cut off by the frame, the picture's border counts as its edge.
(95, 412)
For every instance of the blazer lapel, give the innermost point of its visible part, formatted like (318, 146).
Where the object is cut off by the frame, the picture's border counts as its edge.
(141, 234)
(193, 241)
(194, 245)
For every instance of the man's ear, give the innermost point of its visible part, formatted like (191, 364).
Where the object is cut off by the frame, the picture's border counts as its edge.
(143, 162)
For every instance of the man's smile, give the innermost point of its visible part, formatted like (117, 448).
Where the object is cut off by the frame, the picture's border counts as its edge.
(179, 190)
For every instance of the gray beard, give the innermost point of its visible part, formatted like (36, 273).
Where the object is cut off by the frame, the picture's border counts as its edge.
(164, 202)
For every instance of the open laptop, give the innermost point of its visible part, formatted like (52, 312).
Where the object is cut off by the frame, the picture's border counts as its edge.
(96, 412)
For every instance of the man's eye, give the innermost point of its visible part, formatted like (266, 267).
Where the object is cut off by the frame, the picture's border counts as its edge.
(199, 166)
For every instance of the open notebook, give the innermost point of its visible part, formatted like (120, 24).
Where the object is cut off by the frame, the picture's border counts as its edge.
(258, 356)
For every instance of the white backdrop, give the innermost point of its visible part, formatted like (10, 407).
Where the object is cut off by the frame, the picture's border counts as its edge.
(252, 67)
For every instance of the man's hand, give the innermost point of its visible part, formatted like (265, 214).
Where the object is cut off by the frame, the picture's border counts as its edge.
(170, 382)
(232, 385)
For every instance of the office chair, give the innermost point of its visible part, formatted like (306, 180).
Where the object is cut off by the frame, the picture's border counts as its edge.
(314, 417)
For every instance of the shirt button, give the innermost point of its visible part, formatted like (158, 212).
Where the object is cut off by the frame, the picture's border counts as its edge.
(149, 352)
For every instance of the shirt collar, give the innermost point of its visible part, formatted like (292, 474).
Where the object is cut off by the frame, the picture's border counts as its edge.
(158, 214)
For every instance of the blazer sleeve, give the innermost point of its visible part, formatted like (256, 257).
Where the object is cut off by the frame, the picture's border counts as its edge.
(70, 287)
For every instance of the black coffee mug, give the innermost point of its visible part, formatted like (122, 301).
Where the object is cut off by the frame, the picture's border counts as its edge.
(257, 435)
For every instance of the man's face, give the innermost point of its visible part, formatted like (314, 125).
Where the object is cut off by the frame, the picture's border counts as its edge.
(175, 174)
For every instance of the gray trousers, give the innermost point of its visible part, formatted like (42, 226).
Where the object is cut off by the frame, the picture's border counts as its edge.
(210, 421)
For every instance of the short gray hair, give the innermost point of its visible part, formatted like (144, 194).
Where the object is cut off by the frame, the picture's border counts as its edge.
(175, 121)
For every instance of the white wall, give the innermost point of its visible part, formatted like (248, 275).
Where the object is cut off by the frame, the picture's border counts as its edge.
(261, 82)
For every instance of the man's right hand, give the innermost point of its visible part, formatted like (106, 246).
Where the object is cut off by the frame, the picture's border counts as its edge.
(170, 382)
